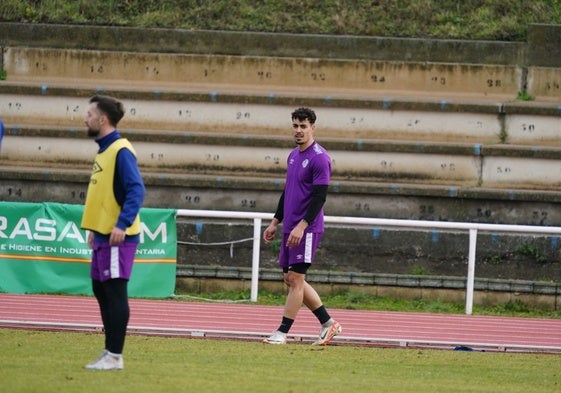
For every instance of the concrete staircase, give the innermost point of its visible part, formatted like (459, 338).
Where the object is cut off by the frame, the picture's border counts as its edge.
(416, 129)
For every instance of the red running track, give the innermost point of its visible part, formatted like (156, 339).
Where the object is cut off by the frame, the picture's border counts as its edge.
(254, 322)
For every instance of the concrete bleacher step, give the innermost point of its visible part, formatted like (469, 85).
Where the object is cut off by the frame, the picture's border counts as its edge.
(219, 191)
(265, 73)
(400, 118)
(261, 115)
(501, 166)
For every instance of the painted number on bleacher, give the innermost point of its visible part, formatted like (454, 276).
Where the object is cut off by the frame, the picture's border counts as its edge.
(413, 122)
(553, 85)
(528, 127)
(41, 66)
(439, 80)
(494, 83)
(251, 203)
(192, 199)
(386, 164)
(318, 76)
(503, 169)
(98, 70)
(207, 72)
(14, 106)
(243, 115)
(213, 157)
(377, 78)
(274, 160)
(264, 74)
(157, 156)
(15, 192)
(72, 108)
(132, 111)
(185, 113)
(426, 209)
(484, 212)
(361, 206)
(451, 167)
(539, 217)
(153, 70)
(357, 120)
(78, 195)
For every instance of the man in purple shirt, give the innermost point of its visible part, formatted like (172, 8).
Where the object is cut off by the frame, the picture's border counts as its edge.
(300, 209)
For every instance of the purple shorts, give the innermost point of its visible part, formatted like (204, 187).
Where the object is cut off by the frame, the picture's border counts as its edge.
(302, 253)
(110, 262)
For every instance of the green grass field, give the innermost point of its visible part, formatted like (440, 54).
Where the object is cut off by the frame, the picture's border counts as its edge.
(44, 362)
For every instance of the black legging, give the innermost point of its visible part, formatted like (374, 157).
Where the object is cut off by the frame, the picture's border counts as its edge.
(112, 297)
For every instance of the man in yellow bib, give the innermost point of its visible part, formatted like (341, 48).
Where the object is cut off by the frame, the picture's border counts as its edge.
(115, 195)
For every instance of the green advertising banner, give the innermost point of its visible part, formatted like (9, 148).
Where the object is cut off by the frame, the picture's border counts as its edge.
(43, 250)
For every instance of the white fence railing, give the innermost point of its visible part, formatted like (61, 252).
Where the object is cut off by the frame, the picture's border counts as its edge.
(472, 228)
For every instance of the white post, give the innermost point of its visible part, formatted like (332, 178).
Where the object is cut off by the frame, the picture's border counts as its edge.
(255, 258)
(471, 270)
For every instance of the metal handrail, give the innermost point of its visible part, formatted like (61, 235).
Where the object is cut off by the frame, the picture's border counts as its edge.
(473, 229)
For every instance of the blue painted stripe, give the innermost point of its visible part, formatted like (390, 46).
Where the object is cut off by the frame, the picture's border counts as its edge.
(477, 149)
(435, 235)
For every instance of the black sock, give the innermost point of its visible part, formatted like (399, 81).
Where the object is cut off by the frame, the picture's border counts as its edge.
(286, 324)
(322, 314)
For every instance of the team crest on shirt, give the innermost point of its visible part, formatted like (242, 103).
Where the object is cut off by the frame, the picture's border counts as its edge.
(305, 163)
(96, 167)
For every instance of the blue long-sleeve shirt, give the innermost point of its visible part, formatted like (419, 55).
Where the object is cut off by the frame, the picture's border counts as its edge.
(128, 186)
(1, 133)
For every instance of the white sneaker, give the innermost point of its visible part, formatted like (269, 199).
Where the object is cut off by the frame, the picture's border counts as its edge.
(107, 361)
(103, 353)
(276, 338)
(327, 333)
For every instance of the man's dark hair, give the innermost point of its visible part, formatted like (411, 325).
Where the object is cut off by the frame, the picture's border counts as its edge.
(110, 107)
(304, 114)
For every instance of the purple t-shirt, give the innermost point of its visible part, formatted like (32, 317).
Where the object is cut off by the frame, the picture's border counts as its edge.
(306, 169)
